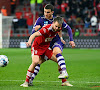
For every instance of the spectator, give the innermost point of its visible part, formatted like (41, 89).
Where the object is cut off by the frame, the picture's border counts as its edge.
(57, 9)
(93, 23)
(68, 12)
(26, 14)
(18, 13)
(81, 5)
(73, 17)
(59, 2)
(94, 11)
(98, 8)
(70, 22)
(13, 6)
(78, 15)
(84, 4)
(30, 23)
(22, 22)
(87, 21)
(73, 6)
(63, 7)
(15, 24)
(99, 28)
(90, 4)
(85, 13)
(4, 11)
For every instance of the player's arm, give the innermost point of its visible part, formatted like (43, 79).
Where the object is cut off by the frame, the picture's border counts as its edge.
(37, 25)
(36, 34)
(71, 42)
(60, 35)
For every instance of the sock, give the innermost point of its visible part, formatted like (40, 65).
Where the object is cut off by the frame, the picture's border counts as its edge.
(36, 71)
(28, 75)
(61, 62)
(63, 80)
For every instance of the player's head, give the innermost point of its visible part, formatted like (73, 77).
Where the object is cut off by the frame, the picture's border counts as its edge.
(48, 11)
(57, 23)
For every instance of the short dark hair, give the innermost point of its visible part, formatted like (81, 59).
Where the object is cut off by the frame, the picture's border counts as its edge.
(58, 19)
(49, 6)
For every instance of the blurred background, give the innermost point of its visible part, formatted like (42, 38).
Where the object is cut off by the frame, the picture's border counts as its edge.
(18, 17)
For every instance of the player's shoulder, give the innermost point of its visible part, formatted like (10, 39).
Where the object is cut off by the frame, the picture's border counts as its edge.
(64, 24)
(48, 27)
(41, 18)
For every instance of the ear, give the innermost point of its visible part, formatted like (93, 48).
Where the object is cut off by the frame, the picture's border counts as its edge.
(52, 12)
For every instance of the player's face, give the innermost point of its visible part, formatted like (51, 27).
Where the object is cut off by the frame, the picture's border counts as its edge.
(56, 26)
(48, 13)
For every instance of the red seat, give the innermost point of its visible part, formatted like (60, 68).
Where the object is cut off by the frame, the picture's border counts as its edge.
(11, 33)
(18, 35)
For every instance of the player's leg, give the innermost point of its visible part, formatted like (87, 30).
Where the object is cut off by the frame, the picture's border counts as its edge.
(35, 72)
(57, 50)
(37, 68)
(35, 61)
(49, 54)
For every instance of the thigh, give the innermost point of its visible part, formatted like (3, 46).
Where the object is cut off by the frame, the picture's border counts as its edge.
(35, 58)
(48, 53)
(37, 51)
(56, 50)
(58, 47)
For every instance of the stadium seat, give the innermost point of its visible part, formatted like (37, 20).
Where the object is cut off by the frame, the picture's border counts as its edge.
(18, 35)
(11, 33)
(23, 35)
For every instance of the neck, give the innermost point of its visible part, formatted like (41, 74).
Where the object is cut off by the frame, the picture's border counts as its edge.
(50, 17)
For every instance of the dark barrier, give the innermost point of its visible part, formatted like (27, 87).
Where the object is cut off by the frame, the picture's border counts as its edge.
(85, 42)
(81, 42)
(15, 41)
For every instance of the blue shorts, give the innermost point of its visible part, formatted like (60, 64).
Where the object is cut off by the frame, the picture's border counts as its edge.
(58, 44)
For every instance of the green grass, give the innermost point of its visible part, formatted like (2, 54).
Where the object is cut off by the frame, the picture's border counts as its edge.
(83, 66)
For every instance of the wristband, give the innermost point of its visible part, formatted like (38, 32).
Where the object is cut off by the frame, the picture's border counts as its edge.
(61, 38)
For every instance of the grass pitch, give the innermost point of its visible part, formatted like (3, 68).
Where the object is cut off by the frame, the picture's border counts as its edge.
(83, 66)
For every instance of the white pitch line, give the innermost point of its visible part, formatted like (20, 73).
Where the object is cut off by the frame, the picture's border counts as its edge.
(49, 81)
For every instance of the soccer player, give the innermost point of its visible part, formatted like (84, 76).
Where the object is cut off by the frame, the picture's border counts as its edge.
(56, 44)
(40, 48)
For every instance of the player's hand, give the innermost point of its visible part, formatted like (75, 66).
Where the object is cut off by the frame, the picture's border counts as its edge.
(63, 41)
(37, 27)
(28, 44)
(72, 44)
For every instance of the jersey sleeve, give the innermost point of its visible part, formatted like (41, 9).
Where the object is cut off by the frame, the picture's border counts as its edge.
(36, 23)
(67, 27)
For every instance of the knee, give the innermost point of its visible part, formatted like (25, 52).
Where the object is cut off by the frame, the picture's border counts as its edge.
(56, 50)
(55, 53)
(35, 62)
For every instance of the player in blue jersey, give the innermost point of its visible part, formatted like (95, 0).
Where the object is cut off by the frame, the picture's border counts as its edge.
(56, 44)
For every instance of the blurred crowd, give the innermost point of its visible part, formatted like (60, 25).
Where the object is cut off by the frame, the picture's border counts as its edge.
(81, 15)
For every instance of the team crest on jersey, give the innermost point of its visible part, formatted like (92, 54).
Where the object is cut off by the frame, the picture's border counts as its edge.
(45, 23)
(44, 30)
